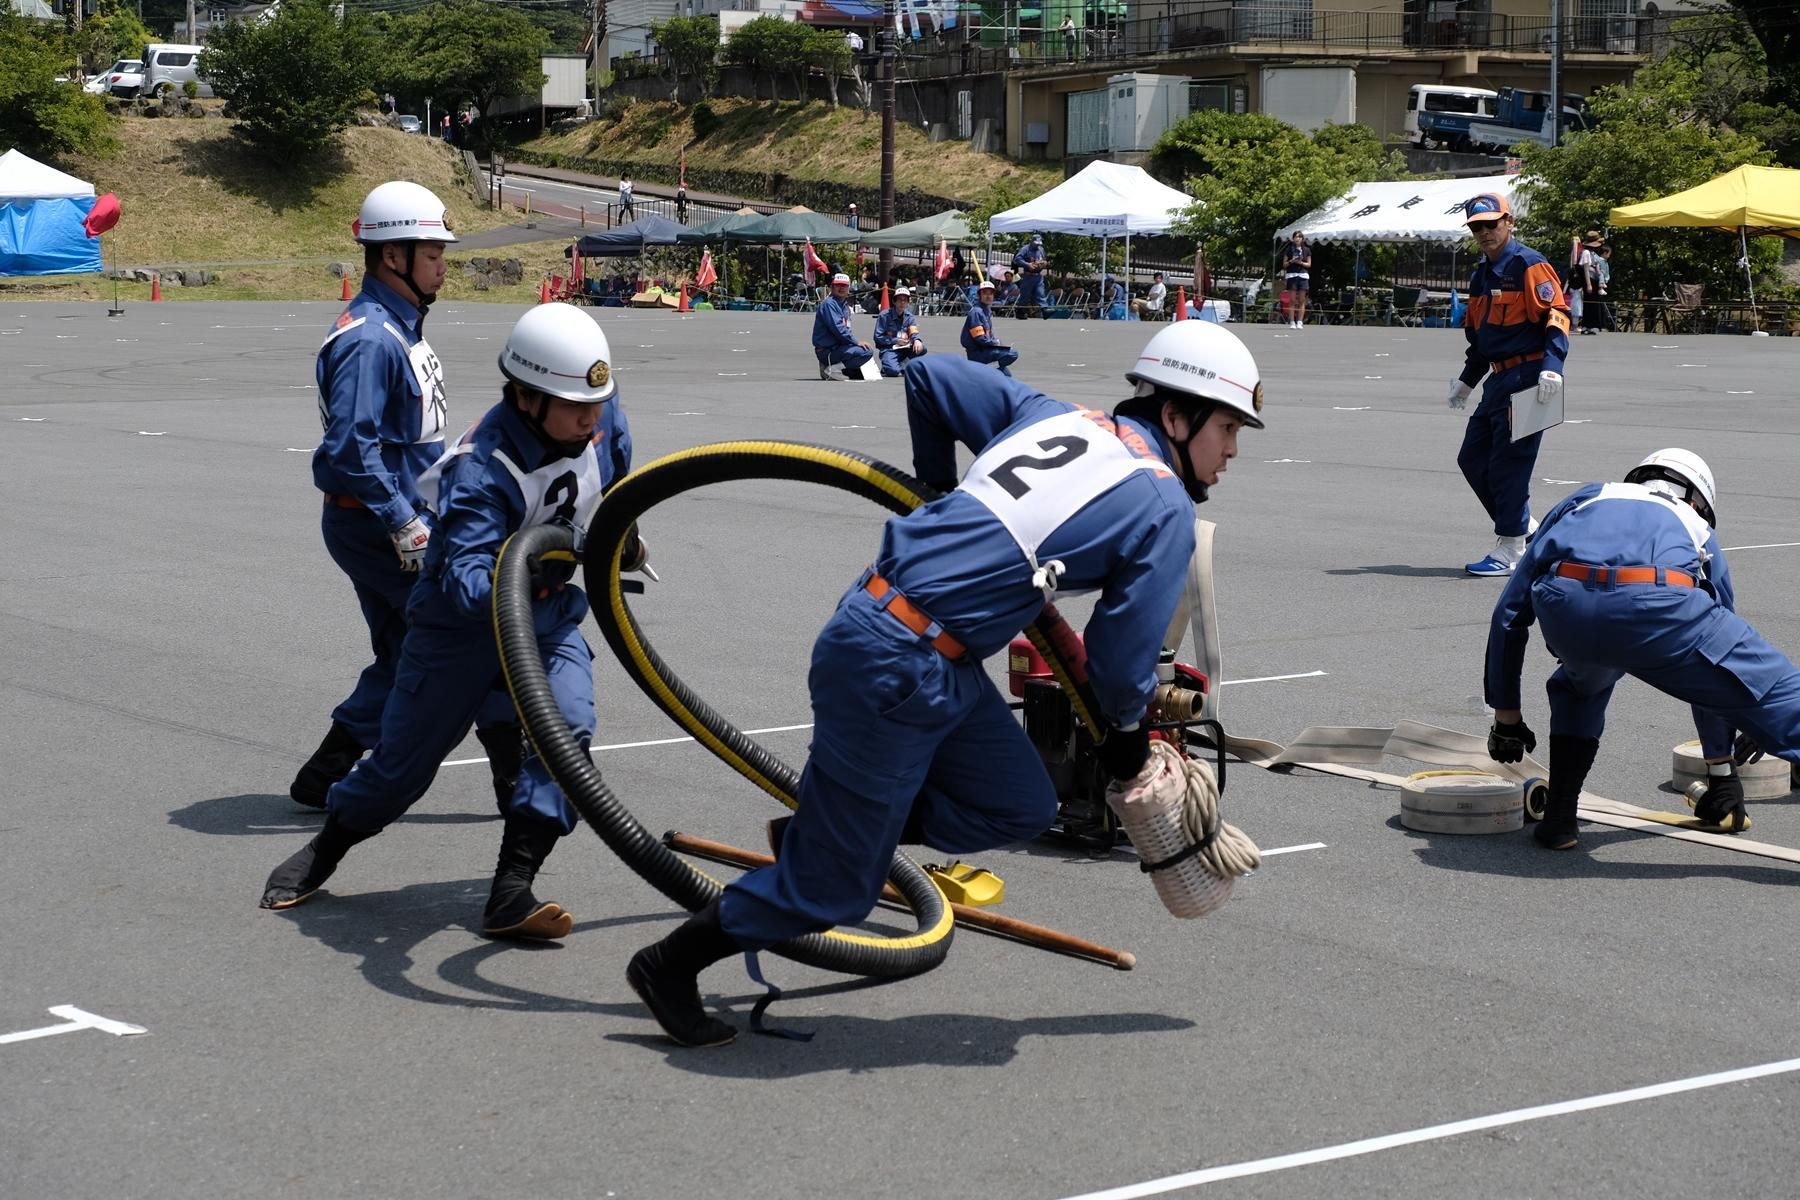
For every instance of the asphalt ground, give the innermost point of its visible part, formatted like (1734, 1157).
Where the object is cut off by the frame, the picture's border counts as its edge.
(175, 637)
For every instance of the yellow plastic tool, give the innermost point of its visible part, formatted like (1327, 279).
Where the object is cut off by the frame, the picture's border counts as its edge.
(964, 884)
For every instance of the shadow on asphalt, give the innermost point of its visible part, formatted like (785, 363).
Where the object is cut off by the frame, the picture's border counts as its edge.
(1405, 572)
(256, 814)
(1518, 856)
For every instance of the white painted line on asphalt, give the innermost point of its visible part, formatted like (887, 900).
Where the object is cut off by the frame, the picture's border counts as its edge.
(1374, 1145)
(1341, 408)
(1292, 849)
(77, 1020)
(34, 420)
(1287, 460)
(150, 433)
(676, 741)
(1564, 482)
(1763, 546)
(1274, 678)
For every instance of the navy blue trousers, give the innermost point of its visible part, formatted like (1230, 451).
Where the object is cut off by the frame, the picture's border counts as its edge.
(1499, 469)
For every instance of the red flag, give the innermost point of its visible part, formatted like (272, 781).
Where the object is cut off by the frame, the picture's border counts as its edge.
(706, 276)
(813, 263)
(940, 267)
(576, 271)
(684, 166)
(103, 216)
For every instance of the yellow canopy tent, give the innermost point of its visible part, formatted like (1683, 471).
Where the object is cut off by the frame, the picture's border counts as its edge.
(1749, 201)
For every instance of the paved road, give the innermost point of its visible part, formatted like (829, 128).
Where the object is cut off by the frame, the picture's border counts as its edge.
(175, 637)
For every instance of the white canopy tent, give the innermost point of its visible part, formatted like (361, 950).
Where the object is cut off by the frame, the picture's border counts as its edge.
(1425, 211)
(1103, 200)
(25, 178)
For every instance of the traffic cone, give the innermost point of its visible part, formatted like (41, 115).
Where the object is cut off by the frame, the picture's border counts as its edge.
(156, 286)
(544, 292)
(682, 305)
(884, 298)
(1181, 304)
(346, 294)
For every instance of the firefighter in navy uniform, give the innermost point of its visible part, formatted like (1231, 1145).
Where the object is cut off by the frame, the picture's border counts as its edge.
(545, 453)
(1628, 579)
(381, 402)
(912, 742)
(1517, 325)
(897, 333)
(978, 340)
(840, 355)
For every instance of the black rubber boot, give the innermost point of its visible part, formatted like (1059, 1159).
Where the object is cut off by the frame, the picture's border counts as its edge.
(304, 873)
(666, 977)
(1571, 758)
(505, 746)
(512, 911)
(328, 764)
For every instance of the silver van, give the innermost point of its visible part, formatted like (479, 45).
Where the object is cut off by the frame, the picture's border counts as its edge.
(172, 64)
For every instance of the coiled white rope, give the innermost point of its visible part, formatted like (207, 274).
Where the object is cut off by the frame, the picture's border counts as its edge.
(1231, 852)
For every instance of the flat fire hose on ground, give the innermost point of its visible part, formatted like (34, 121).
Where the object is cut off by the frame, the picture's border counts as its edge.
(1351, 752)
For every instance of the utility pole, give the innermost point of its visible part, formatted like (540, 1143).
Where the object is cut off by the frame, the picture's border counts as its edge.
(890, 50)
(598, 6)
(1555, 73)
(193, 33)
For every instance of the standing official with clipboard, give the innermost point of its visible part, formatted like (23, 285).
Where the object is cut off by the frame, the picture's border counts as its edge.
(1517, 324)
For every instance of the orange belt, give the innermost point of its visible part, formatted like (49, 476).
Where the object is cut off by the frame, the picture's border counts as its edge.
(1606, 575)
(912, 616)
(1508, 363)
(337, 501)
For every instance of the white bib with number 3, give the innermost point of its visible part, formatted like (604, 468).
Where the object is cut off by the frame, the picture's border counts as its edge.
(1037, 478)
(568, 488)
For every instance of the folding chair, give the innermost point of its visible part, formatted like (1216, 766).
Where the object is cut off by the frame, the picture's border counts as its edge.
(1683, 313)
(1406, 306)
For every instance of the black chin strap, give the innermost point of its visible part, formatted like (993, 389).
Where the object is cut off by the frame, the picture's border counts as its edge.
(421, 297)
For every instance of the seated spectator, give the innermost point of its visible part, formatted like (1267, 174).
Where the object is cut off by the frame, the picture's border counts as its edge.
(1112, 299)
(1152, 304)
(1008, 292)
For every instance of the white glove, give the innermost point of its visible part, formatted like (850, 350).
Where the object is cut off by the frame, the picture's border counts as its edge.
(1459, 394)
(1550, 386)
(409, 544)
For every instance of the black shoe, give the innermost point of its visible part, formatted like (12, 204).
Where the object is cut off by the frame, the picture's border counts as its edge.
(666, 977)
(512, 910)
(328, 764)
(505, 746)
(306, 872)
(823, 372)
(1556, 835)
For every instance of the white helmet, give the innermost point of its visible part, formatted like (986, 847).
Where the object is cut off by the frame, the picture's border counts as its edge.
(1686, 470)
(402, 212)
(1205, 360)
(560, 350)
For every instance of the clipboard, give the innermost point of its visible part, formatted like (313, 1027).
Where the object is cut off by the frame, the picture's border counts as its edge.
(1529, 417)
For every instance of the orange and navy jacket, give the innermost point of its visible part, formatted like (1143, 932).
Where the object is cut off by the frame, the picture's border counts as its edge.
(1516, 310)
(978, 328)
(892, 325)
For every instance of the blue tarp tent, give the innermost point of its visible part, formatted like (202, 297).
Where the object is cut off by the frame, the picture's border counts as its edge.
(41, 215)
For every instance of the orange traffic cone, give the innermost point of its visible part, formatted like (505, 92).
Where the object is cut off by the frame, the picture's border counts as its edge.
(544, 292)
(682, 305)
(1180, 304)
(884, 298)
(346, 294)
(156, 286)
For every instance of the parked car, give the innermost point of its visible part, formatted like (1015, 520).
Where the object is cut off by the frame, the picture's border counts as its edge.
(410, 124)
(169, 65)
(123, 78)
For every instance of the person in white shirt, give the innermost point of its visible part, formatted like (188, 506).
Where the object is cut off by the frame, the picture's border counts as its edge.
(1153, 302)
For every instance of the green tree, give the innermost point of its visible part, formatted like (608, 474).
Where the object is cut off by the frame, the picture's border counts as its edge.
(1772, 24)
(1658, 135)
(692, 46)
(776, 48)
(38, 115)
(292, 80)
(1251, 174)
(827, 50)
(468, 51)
(112, 33)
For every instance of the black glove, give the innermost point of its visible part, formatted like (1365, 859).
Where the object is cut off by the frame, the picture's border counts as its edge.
(634, 554)
(1123, 752)
(548, 575)
(1510, 743)
(1745, 751)
(1724, 796)
(945, 486)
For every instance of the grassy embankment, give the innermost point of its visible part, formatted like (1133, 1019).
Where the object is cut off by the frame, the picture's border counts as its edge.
(812, 141)
(190, 194)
